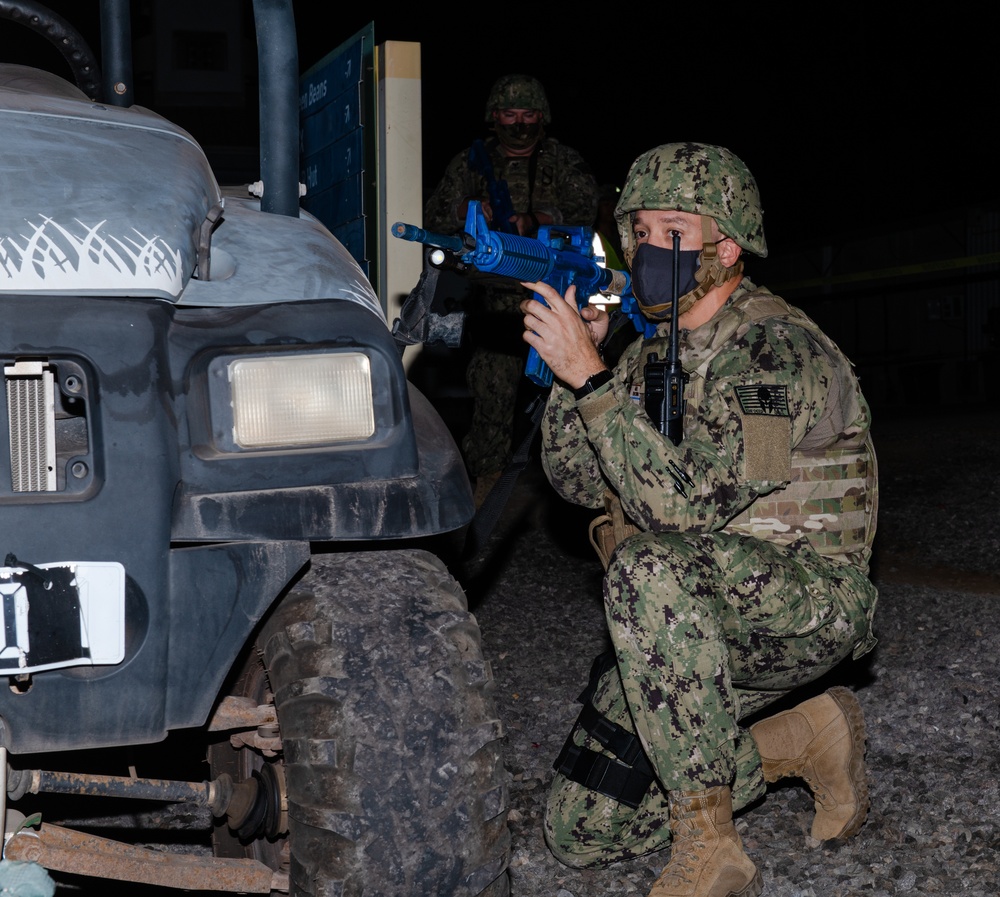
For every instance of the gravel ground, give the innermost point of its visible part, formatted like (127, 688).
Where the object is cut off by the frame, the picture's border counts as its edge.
(928, 690)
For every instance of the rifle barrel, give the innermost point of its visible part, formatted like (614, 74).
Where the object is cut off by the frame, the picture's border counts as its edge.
(419, 235)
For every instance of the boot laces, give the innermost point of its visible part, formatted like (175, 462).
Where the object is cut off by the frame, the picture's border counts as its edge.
(819, 792)
(683, 862)
(677, 872)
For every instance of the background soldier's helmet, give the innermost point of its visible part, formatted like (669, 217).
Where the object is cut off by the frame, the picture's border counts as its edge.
(697, 178)
(518, 92)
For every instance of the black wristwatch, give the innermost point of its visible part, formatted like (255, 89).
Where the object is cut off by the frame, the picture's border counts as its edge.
(593, 383)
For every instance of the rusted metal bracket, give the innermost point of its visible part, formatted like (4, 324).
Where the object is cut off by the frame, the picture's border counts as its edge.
(66, 850)
(258, 722)
(236, 712)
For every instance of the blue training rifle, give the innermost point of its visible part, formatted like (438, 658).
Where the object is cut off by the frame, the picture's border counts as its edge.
(560, 257)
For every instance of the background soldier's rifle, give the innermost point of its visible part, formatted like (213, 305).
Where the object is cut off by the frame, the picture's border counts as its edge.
(501, 204)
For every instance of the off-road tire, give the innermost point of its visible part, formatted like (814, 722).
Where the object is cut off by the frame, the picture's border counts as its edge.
(389, 732)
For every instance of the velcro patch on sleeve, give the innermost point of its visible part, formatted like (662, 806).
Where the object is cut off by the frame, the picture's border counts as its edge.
(767, 431)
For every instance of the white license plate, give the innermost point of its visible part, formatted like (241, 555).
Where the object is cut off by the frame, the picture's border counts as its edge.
(63, 614)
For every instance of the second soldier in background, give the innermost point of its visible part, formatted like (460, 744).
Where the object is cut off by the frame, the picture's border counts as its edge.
(547, 183)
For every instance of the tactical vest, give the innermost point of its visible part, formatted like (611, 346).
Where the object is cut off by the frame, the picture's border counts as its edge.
(832, 497)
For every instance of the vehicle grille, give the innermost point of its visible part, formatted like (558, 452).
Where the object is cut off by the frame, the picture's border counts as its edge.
(31, 423)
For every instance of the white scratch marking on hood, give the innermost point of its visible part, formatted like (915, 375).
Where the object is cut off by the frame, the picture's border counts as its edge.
(54, 259)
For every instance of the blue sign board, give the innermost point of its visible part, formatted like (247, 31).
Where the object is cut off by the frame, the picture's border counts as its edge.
(335, 98)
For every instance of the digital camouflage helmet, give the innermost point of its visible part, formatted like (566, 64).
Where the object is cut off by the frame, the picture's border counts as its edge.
(517, 92)
(701, 179)
(697, 178)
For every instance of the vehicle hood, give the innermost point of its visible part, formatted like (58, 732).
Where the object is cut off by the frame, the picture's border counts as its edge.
(97, 200)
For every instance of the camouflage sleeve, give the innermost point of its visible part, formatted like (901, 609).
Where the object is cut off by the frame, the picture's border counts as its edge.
(761, 396)
(458, 183)
(576, 190)
(568, 459)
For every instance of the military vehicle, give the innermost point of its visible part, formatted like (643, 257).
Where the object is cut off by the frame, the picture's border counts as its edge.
(215, 485)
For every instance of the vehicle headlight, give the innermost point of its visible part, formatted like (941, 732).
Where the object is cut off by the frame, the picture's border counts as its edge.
(301, 400)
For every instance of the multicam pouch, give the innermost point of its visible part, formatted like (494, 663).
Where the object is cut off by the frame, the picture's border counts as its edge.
(611, 528)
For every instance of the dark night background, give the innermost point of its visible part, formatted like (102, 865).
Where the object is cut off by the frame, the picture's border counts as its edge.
(870, 135)
(846, 121)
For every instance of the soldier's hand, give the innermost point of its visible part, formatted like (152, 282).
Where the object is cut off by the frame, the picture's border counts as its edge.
(527, 223)
(563, 339)
(599, 322)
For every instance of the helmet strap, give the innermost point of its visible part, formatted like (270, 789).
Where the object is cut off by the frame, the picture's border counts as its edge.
(711, 273)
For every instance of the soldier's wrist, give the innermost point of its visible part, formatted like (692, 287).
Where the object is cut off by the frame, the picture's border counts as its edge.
(593, 383)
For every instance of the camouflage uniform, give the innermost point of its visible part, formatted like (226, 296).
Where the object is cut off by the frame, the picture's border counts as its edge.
(555, 181)
(752, 583)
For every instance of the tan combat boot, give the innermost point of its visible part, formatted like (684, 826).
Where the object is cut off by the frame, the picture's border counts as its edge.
(822, 741)
(706, 854)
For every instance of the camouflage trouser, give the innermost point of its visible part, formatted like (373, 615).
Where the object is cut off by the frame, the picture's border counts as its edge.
(707, 630)
(495, 327)
(493, 378)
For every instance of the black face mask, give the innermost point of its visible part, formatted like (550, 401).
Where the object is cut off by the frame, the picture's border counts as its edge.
(519, 135)
(653, 271)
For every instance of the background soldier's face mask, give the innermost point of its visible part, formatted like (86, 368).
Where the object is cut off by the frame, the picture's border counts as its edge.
(520, 135)
(652, 278)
